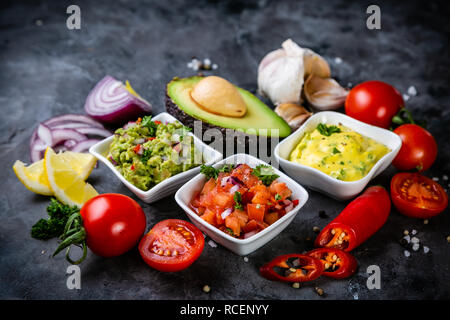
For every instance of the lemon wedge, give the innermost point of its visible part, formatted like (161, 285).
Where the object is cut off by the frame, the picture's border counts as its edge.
(66, 174)
(33, 177)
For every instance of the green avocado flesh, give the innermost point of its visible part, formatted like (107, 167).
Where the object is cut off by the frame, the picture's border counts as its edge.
(258, 120)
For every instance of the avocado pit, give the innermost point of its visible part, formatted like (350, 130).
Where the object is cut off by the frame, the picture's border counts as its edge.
(217, 95)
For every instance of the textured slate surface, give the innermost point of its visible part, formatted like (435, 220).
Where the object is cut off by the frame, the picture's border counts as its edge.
(46, 70)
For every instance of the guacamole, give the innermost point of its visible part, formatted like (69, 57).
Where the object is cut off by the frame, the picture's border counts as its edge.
(147, 152)
(339, 152)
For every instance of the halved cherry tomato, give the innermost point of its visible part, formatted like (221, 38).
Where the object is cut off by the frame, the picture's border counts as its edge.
(358, 221)
(417, 196)
(292, 268)
(337, 264)
(172, 245)
(374, 102)
(419, 149)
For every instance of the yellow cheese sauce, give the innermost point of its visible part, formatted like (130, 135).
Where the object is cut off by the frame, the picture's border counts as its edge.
(342, 154)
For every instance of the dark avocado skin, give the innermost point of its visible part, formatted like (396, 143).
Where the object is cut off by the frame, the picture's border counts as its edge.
(241, 140)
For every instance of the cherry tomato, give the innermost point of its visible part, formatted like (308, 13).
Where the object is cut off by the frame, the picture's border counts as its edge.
(417, 196)
(374, 102)
(419, 149)
(337, 263)
(172, 245)
(292, 268)
(114, 224)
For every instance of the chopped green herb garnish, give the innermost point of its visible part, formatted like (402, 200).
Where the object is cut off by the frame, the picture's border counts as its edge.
(327, 130)
(148, 123)
(227, 168)
(209, 171)
(335, 150)
(265, 173)
(146, 154)
(237, 200)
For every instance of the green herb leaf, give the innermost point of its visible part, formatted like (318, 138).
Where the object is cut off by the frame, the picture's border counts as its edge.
(277, 197)
(327, 130)
(335, 150)
(237, 200)
(148, 123)
(54, 226)
(227, 168)
(209, 171)
(146, 154)
(265, 173)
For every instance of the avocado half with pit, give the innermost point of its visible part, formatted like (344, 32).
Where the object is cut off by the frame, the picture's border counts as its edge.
(219, 106)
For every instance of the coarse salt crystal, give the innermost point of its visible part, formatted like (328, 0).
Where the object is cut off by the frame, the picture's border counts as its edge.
(338, 60)
(407, 238)
(426, 249)
(414, 232)
(215, 66)
(416, 246)
(406, 253)
(405, 97)
(245, 259)
(435, 178)
(212, 243)
(412, 91)
(415, 240)
(445, 177)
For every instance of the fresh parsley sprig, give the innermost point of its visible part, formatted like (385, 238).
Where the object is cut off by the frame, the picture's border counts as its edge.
(265, 173)
(327, 130)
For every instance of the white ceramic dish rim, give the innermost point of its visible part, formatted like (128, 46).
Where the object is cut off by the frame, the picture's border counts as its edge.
(216, 156)
(258, 235)
(300, 131)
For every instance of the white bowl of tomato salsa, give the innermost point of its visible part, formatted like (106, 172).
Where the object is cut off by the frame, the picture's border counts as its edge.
(322, 182)
(189, 191)
(169, 185)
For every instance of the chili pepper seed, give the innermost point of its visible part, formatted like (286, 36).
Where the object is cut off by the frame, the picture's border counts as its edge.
(316, 229)
(319, 291)
(296, 285)
(448, 239)
(406, 232)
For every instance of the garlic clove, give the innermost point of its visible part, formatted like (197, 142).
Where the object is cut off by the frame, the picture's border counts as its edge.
(324, 93)
(295, 115)
(315, 64)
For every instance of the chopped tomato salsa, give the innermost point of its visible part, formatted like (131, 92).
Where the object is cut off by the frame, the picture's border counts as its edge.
(240, 203)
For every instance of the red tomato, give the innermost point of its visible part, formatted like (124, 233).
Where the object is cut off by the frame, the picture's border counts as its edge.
(419, 149)
(172, 245)
(417, 196)
(114, 223)
(374, 102)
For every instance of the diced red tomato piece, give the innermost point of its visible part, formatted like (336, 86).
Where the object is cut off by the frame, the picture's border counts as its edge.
(233, 223)
(254, 225)
(209, 216)
(281, 189)
(256, 212)
(209, 186)
(242, 217)
(271, 217)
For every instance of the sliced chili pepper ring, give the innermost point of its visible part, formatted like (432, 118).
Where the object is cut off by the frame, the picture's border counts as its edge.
(337, 237)
(292, 268)
(337, 263)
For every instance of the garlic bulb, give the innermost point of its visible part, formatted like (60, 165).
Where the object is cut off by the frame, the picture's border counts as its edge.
(324, 93)
(281, 74)
(295, 115)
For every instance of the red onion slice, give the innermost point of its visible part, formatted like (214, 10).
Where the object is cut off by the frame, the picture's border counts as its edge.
(226, 213)
(110, 102)
(84, 145)
(249, 234)
(71, 118)
(289, 207)
(45, 134)
(94, 131)
(234, 188)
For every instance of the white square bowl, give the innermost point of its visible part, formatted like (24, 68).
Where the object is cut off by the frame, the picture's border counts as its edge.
(316, 179)
(166, 187)
(240, 246)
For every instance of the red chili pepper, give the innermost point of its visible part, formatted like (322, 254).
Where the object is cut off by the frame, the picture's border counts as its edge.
(358, 221)
(132, 167)
(137, 148)
(151, 138)
(157, 122)
(337, 263)
(292, 268)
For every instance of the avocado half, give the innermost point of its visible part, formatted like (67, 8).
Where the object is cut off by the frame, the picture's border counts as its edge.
(258, 120)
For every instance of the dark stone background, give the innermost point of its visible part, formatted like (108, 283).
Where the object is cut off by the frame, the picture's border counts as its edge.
(47, 70)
